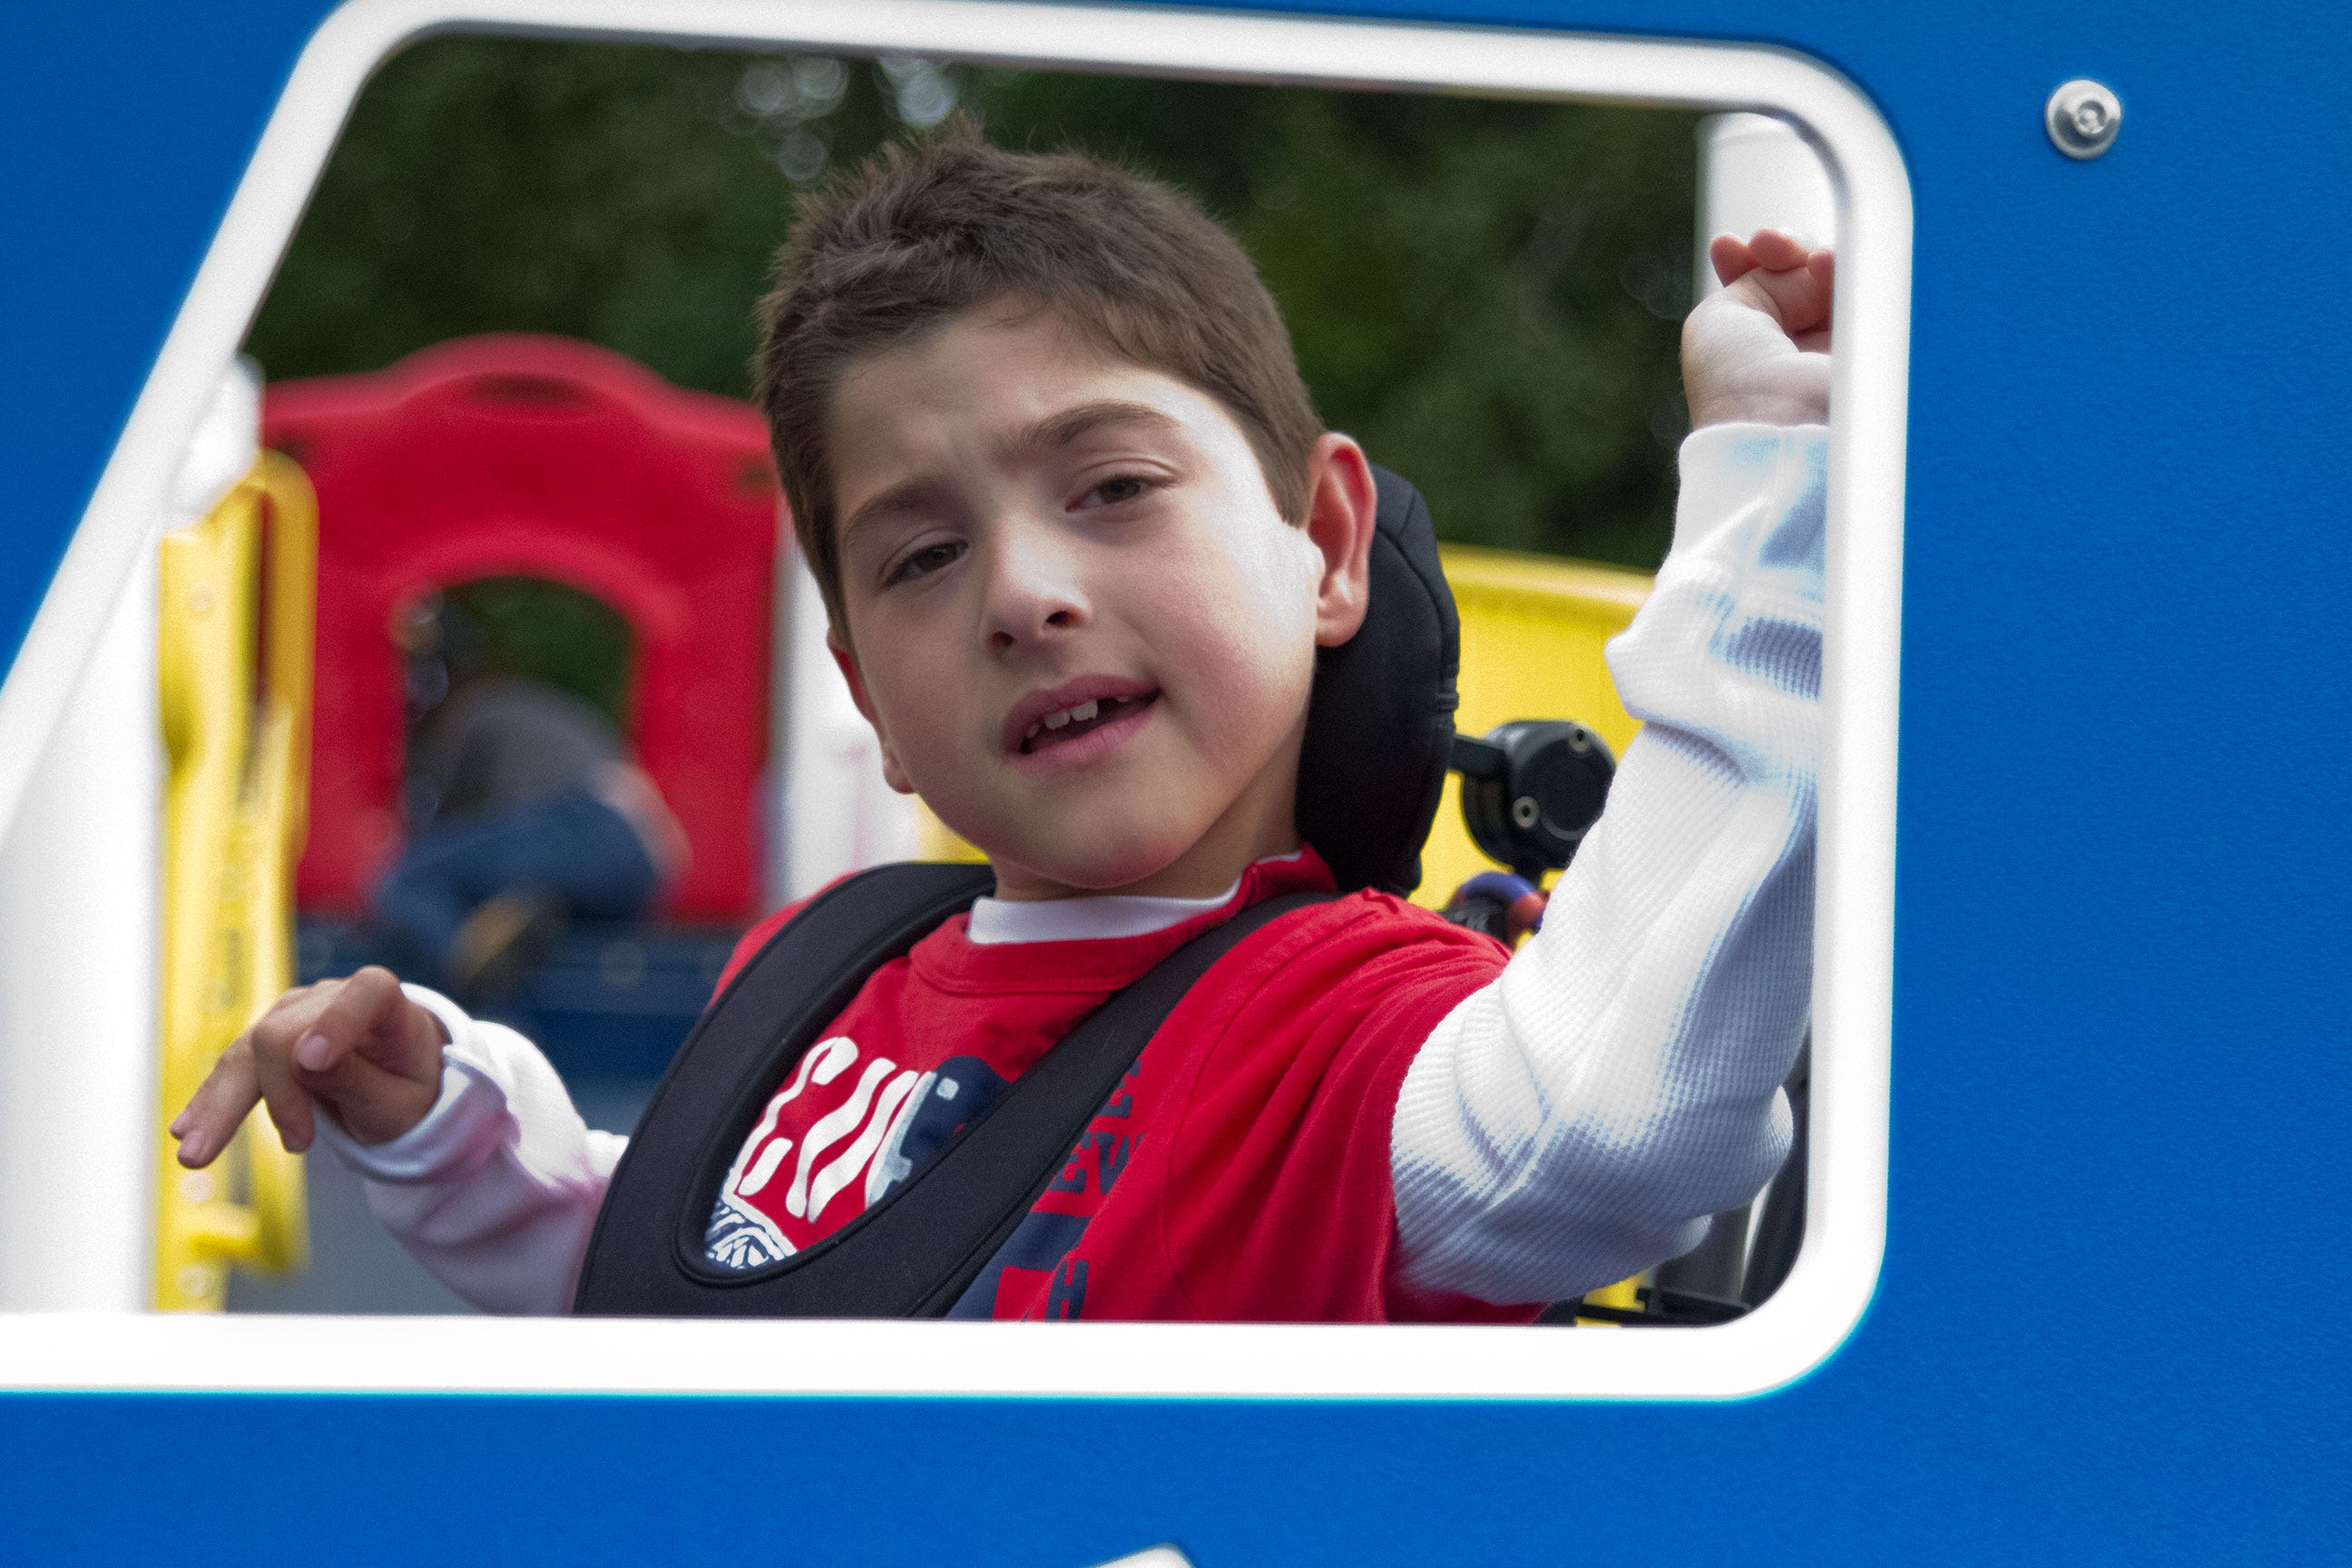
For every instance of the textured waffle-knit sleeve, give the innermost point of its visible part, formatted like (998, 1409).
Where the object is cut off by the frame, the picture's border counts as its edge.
(496, 1190)
(1579, 1118)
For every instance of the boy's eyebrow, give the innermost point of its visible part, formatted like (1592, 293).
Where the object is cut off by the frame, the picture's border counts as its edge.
(908, 495)
(1070, 424)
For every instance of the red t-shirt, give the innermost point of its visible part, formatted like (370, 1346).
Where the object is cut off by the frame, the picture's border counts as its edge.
(1241, 1171)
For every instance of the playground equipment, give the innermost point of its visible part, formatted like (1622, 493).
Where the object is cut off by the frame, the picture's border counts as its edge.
(235, 592)
(526, 456)
(81, 899)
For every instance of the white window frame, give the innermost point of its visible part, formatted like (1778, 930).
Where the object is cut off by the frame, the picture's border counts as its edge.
(1845, 1222)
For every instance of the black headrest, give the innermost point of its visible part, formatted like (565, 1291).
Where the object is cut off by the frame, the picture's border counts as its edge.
(1381, 722)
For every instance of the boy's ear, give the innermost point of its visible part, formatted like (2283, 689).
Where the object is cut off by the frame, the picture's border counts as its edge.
(892, 773)
(1342, 503)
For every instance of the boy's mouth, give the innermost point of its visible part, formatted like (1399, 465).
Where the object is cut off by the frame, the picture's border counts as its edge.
(1048, 719)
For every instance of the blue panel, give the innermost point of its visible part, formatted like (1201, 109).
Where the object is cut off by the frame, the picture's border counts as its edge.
(2109, 1324)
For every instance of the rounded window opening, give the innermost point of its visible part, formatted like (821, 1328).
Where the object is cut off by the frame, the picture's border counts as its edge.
(1863, 509)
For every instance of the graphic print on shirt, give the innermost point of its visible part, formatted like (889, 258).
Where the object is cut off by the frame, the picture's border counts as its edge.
(1034, 1273)
(834, 1126)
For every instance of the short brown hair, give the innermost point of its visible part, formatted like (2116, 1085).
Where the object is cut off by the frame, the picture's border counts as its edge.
(925, 230)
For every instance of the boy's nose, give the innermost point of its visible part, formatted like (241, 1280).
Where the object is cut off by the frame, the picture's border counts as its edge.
(1034, 590)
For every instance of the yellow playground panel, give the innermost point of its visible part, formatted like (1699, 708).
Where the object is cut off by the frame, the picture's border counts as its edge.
(237, 593)
(1533, 628)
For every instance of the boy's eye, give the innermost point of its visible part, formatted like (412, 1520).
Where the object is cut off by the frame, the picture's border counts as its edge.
(1111, 491)
(926, 560)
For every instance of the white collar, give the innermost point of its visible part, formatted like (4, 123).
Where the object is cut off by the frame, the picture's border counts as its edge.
(1000, 921)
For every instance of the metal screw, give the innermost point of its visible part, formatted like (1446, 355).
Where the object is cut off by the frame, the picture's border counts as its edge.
(1524, 810)
(2082, 117)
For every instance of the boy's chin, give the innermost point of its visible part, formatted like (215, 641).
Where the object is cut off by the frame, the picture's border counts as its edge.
(1064, 870)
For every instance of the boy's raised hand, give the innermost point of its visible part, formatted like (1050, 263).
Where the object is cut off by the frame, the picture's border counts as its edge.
(1760, 348)
(358, 1046)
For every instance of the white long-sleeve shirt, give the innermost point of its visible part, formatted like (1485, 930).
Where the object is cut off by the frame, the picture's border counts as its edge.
(1568, 1125)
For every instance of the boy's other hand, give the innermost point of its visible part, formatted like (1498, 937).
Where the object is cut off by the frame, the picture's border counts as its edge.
(1760, 348)
(358, 1046)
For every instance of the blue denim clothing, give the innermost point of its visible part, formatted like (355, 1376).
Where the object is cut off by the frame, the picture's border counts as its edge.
(570, 847)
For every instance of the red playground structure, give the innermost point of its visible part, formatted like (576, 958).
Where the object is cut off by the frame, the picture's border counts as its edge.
(526, 456)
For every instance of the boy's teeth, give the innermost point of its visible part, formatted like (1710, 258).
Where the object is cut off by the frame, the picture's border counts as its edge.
(1084, 713)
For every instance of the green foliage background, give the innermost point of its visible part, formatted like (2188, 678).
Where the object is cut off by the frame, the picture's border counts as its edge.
(1485, 293)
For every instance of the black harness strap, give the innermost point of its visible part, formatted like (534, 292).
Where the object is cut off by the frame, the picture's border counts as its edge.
(735, 1056)
(915, 1252)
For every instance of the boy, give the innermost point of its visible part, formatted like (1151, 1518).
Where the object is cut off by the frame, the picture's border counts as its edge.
(1080, 535)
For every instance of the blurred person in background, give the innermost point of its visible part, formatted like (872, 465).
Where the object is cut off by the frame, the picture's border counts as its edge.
(523, 812)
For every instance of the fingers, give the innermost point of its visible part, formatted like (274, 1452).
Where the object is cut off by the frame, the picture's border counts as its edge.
(1790, 281)
(1778, 252)
(374, 1057)
(218, 1107)
(306, 1047)
(1822, 265)
(374, 1104)
(1792, 298)
(1769, 249)
(288, 1100)
(1730, 256)
(311, 1054)
(358, 1009)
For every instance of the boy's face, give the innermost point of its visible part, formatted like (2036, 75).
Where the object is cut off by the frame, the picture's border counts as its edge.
(1082, 630)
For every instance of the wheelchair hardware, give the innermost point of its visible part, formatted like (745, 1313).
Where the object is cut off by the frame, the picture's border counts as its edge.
(1531, 789)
